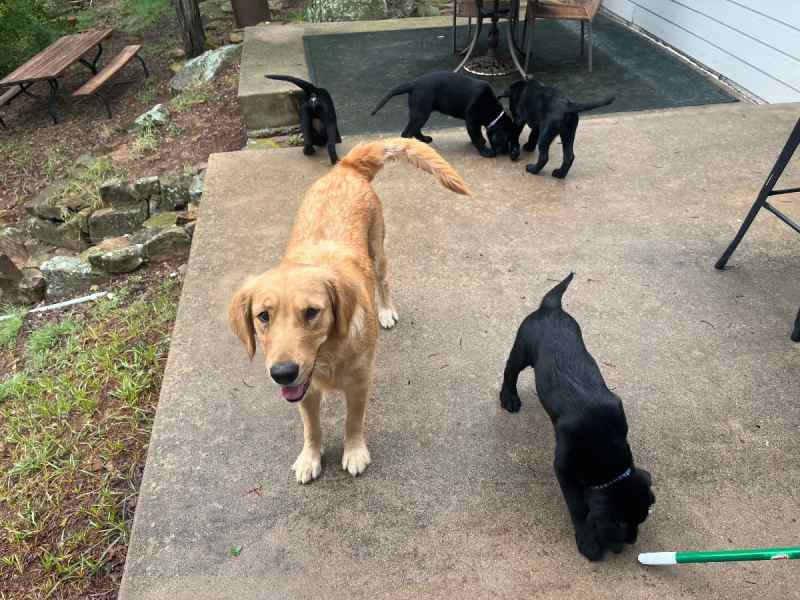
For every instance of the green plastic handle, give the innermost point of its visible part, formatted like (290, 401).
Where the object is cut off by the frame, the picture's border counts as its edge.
(789, 553)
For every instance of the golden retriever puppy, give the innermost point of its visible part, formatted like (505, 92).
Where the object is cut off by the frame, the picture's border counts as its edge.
(316, 313)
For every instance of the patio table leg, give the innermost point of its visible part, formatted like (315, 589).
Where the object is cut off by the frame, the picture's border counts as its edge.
(512, 48)
(471, 46)
(51, 100)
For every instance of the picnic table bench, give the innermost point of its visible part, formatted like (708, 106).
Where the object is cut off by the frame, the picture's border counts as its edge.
(51, 63)
(126, 55)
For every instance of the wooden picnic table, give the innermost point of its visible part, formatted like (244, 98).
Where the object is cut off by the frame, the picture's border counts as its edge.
(51, 63)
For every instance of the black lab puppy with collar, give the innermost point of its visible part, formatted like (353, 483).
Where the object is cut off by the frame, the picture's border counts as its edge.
(317, 117)
(548, 113)
(608, 497)
(464, 98)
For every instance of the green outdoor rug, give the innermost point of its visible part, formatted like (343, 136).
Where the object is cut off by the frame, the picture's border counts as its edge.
(359, 68)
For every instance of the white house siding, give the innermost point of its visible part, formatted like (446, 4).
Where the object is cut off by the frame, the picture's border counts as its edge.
(753, 43)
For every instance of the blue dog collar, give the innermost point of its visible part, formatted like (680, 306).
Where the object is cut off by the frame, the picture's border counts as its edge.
(617, 479)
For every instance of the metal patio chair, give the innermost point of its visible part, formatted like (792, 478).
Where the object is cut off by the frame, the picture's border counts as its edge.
(767, 190)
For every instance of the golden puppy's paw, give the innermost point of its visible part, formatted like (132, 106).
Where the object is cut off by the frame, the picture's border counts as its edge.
(308, 465)
(355, 458)
(387, 317)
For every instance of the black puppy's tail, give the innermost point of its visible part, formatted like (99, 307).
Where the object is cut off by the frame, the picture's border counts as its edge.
(574, 107)
(403, 88)
(307, 87)
(552, 299)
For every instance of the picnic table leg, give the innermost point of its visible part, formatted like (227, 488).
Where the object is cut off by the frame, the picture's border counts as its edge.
(51, 100)
(144, 66)
(92, 65)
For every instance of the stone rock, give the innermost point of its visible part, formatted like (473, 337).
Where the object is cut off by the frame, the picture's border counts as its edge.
(320, 11)
(196, 187)
(56, 207)
(64, 234)
(177, 53)
(162, 219)
(174, 192)
(20, 287)
(190, 227)
(67, 275)
(186, 217)
(204, 68)
(85, 160)
(32, 288)
(401, 8)
(8, 270)
(83, 220)
(176, 67)
(12, 244)
(235, 37)
(167, 243)
(158, 115)
(118, 193)
(146, 187)
(426, 10)
(113, 222)
(121, 256)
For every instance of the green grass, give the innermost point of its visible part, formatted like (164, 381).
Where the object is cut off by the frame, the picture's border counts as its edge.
(75, 420)
(9, 328)
(87, 182)
(146, 140)
(187, 99)
(138, 15)
(146, 94)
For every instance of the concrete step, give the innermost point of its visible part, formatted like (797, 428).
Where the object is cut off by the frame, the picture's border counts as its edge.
(278, 48)
(460, 500)
(271, 48)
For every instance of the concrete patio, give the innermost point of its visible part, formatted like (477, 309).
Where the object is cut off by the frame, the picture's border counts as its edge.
(460, 500)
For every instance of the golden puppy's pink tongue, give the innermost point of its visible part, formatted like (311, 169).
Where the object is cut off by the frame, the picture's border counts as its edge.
(293, 392)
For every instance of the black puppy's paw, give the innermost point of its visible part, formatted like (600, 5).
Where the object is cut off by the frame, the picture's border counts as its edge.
(510, 400)
(309, 150)
(487, 152)
(533, 169)
(588, 544)
(515, 154)
(528, 147)
(425, 138)
(559, 173)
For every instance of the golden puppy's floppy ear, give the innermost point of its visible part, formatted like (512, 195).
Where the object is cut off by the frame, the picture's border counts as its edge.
(344, 299)
(240, 317)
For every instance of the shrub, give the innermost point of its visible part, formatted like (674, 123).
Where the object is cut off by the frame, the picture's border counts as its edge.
(26, 27)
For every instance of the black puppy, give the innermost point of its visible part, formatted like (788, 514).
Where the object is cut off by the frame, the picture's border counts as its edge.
(548, 113)
(462, 97)
(607, 496)
(317, 117)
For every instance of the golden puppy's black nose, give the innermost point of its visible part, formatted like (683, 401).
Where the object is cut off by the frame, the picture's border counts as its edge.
(284, 373)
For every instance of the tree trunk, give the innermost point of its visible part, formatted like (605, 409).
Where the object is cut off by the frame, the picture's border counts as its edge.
(194, 38)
